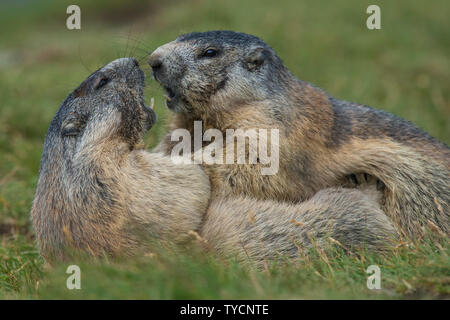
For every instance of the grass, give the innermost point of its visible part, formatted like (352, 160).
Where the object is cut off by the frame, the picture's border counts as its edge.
(402, 68)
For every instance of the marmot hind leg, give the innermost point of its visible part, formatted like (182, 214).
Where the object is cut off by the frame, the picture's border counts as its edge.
(261, 231)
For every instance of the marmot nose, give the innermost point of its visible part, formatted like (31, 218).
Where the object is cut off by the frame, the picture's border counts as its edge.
(155, 62)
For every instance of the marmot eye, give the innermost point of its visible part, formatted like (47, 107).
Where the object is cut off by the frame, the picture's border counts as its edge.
(102, 83)
(210, 53)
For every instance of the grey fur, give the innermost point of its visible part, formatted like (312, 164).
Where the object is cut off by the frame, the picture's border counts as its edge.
(322, 139)
(97, 190)
(260, 231)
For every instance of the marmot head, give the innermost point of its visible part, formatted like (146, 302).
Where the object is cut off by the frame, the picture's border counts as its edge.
(108, 105)
(104, 118)
(212, 71)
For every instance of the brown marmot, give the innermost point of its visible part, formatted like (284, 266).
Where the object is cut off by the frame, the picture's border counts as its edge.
(100, 193)
(231, 80)
(97, 191)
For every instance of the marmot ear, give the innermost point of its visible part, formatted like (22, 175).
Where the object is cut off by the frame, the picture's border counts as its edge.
(256, 58)
(72, 126)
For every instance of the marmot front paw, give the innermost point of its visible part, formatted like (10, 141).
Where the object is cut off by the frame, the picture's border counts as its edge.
(368, 184)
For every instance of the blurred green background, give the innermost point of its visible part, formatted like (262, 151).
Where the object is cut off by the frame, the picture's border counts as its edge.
(402, 68)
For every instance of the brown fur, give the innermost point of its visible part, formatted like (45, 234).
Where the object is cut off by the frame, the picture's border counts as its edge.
(322, 139)
(97, 192)
(262, 230)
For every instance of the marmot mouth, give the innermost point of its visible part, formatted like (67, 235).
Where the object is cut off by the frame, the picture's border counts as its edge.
(151, 106)
(170, 94)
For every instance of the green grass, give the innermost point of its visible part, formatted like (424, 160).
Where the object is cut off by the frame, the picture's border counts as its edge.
(402, 68)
